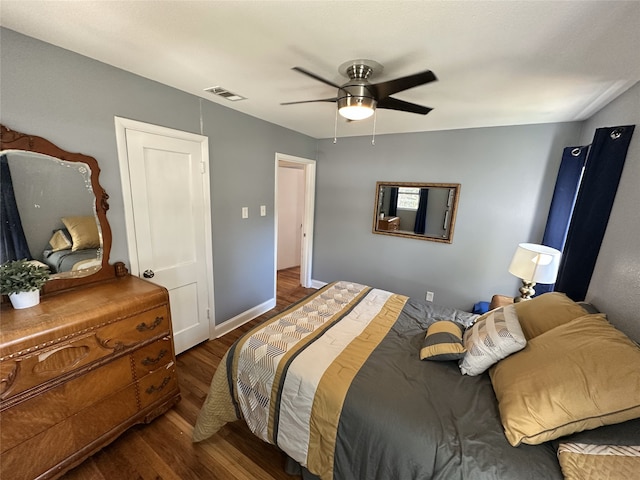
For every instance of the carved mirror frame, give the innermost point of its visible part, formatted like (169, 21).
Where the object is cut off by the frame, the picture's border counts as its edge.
(12, 140)
(448, 214)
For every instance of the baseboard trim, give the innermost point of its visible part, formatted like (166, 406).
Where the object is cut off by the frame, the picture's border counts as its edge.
(244, 317)
(317, 284)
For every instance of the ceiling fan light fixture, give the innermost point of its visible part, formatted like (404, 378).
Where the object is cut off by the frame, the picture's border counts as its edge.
(356, 108)
(358, 98)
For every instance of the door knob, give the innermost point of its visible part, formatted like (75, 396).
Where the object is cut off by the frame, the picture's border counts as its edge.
(148, 274)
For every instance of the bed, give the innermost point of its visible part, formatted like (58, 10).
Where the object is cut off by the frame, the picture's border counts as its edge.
(71, 261)
(74, 247)
(355, 382)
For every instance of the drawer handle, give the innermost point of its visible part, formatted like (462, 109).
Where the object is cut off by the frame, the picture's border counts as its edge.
(143, 326)
(153, 389)
(152, 361)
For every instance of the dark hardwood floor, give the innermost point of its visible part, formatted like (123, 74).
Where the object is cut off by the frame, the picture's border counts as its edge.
(163, 449)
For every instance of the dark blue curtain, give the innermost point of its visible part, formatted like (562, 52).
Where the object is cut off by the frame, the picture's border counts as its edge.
(393, 201)
(421, 214)
(598, 188)
(14, 243)
(563, 202)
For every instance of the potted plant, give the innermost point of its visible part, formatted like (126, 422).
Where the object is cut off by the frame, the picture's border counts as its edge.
(22, 280)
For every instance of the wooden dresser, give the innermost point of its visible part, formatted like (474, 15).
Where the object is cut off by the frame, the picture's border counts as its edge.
(389, 223)
(80, 368)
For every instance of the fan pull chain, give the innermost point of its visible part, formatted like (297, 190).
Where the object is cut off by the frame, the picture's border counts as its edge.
(373, 139)
(335, 129)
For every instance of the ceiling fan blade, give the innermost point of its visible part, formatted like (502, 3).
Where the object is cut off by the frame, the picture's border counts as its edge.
(395, 104)
(313, 75)
(385, 89)
(334, 99)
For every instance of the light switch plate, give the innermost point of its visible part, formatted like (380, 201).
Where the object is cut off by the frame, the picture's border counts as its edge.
(263, 210)
(245, 212)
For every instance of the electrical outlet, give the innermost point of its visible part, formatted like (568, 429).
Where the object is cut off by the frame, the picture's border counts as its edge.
(429, 297)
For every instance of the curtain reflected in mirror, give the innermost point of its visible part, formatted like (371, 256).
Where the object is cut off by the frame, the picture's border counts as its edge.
(48, 213)
(426, 211)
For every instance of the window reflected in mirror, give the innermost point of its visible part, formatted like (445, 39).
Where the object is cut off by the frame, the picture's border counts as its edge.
(425, 211)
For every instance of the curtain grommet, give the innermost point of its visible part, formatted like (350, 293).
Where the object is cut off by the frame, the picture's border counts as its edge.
(616, 133)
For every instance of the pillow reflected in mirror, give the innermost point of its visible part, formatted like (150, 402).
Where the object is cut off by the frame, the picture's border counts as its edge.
(60, 241)
(84, 232)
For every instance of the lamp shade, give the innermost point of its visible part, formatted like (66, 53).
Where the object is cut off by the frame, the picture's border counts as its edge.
(535, 263)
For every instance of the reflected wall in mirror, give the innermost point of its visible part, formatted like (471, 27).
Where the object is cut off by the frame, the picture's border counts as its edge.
(54, 210)
(426, 211)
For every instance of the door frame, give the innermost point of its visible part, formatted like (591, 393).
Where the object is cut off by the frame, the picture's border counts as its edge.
(124, 124)
(306, 244)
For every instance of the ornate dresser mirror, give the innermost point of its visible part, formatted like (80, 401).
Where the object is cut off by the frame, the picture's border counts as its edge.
(426, 211)
(55, 210)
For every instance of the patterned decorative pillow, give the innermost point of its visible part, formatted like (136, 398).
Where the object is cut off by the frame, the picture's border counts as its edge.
(60, 241)
(496, 335)
(580, 461)
(443, 342)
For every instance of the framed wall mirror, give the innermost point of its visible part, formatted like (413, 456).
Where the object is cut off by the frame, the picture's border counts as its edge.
(426, 211)
(54, 210)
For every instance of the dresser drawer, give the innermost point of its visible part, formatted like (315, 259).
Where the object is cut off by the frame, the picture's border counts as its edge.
(135, 330)
(152, 357)
(158, 384)
(26, 461)
(31, 370)
(102, 418)
(28, 418)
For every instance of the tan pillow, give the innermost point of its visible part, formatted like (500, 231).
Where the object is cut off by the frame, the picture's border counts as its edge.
(578, 376)
(581, 461)
(545, 312)
(84, 232)
(59, 241)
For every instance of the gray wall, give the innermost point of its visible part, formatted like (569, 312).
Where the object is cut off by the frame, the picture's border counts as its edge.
(507, 176)
(71, 100)
(615, 284)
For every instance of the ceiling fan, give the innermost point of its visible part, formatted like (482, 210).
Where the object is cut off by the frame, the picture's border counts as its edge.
(358, 98)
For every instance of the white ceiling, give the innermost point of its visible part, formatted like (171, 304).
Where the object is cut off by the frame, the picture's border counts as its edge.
(498, 62)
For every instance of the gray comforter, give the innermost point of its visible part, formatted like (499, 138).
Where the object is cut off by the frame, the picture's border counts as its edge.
(409, 419)
(68, 260)
(374, 410)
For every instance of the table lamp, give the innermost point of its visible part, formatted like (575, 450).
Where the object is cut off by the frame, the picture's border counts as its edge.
(533, 264)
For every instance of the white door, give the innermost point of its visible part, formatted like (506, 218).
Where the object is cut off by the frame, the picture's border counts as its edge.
(167, 208)
(309, 193)
(290, 216)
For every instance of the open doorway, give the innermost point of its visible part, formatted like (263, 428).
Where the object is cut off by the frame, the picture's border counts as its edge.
(294, 209)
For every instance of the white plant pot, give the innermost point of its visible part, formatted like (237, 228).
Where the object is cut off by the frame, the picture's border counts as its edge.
(25, 299)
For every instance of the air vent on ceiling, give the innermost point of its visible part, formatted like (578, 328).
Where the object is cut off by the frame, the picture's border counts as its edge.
(223, 92)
